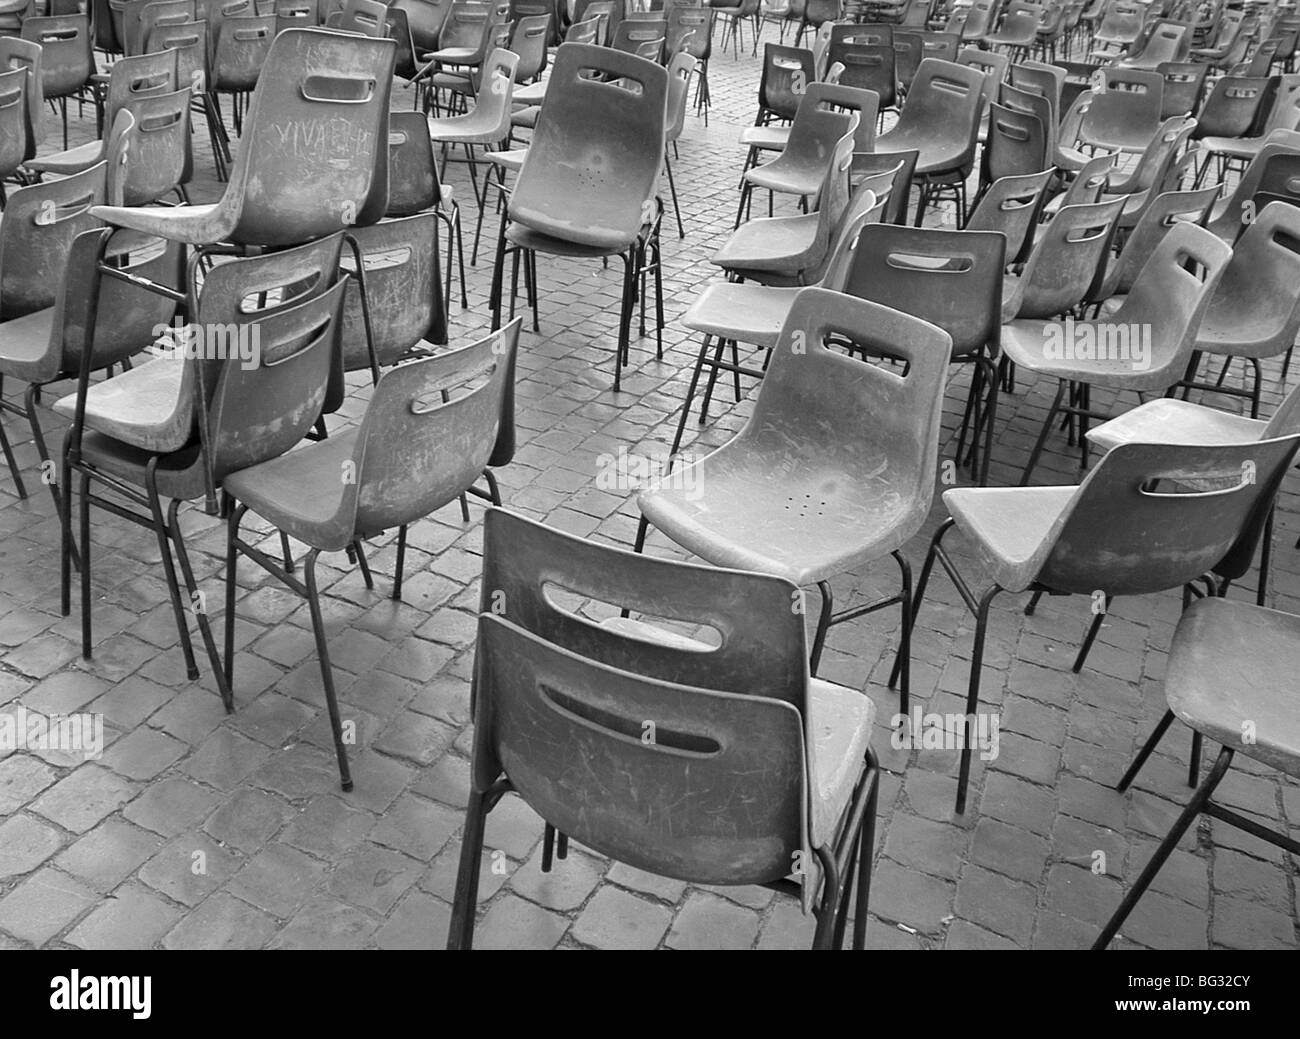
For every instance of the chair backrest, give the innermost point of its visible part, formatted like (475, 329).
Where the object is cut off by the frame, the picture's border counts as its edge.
(366, 17)
(417, 450)
(413, 184)
(190, 42)
(40, 223)
(909, 50)
(528, 41)
(1261, 287)
(239, 54)
(1011, 205)
(1162, 213)
(315, 139)
(946, 98)
(583, 32)
(787, 71)
(1242, 206)
(13, 121)
(832, 204)
(667, 806)
(609, 13)
(597, 149)
(952, 279)
(296, 14)
(152, 14)
(1279, 181)
(464, 24)
(1131, 102)
(837, 97)
(681, 67)
(994, 66)
(1067, 258)
(979, 23)
(903, 164)
(1285, 113)
(1184, 85)
(1047, 80)
(690, 28)
(1129, 531)
(867, 66)
(66, 57)
(259, 411)
(1168, 299)
(148, 150)
(631, 34)
(872, 421)
(25, 55)
(425, 17)
(1016, 144)
(401, 290)
(1232, 107)
(1091, 181)
(139, 76)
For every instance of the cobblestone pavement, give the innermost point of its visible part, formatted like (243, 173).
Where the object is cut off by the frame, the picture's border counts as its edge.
(106, 853)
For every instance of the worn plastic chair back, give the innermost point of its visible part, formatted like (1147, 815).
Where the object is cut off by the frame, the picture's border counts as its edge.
(426, 18)
(1066, 259)
(150, 155)
(1157, 218)
(528, 41)
(1126, 113)
(597, 150)
(690, 29)
(190, 42)
(1184, 86)
(1232, 107)
(681, 67)
(296, 14)
(137, 77)
(784, 69)
(1011, 206)
(40, 223)
(413, 184)
(1091, 181)
(364, 17)
(867, 66)
(66, 57)
(873, 164)
(241, 50)
(25, 55)
(909, 51)
(1016, 145)
(1133, 528)
(149, 16)
(13, 121)
(952, 279)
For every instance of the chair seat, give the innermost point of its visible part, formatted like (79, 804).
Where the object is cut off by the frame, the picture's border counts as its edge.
(768, 243)
(797, 515)
(300, 493)
(193, 225)
(451, 55)
(141, 407)
(839, 722)
(788, 177)
(456, 82)
(532, 93)
(1070, 159)
(1168, 420)
(748, 313)
(1135, 141)
(466, 129)
(1026, 342)
(510, 160)
(938, 154)
(544, 243)
(1232, 669)
(1229, 332)
(1231, 147)
(766, 138)
(25, 347)
(1011, 528)
(66, 163)
(179, 474)
(526, 117)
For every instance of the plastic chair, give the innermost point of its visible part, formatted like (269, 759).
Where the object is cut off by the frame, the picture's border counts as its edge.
(681, 67)
(1065, 262)
(132, 79)
(635, 37)
(867, 66)
(801, 166)
(13, 125)
(693, 26)
(1184, 87)
(733, 17)
(250, 411)
(994, 66)
(1229, 667)
(792, 749)
(1067, 540)
(728, 313)
(458, 67)
(1143, 346)
(872, 164)
(67, 62)
(953, 280)
(979, 22)
(1011, 205)
(40, 224)
(941, 121)
(414, 186)
(148, 151)
(1017, 146)
(1255, 312)
(296, 14)
(1126, 114)
(240, 51)
(792, 250)
(603, 138)
(1157, 218)
(1220, 46)
(852, 487)
(189, 41)
(1237, 151)
(24, 55)
(410, 456)
(1167, 41)
(292, 182)
(1233, 214)
(909, 50)
(1019, 30)
(786, 74)
(1120, 28)
(364, 17)
(425, 19)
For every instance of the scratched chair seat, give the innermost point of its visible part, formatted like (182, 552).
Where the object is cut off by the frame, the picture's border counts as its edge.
(74, 160)
(765, 138)
(1023, 341)
(767, 243)
(839, 722)
(532, 93)
(511, 159)
(1012, 529)
(1216, 688)
(1175, 421)
(489, 121)
(746, 312)
(526, 117)
(143, 407)
(603, 245)
(801, 166)
(25, 347)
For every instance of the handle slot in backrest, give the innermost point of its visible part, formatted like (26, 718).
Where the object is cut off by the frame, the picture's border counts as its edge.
(341, 90)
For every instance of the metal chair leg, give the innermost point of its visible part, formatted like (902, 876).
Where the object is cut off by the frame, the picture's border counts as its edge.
(327, 672)
(823, 625)
(1152, 742)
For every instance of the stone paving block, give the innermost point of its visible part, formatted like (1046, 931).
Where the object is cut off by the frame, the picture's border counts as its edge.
(278, 879)
(418, 921)
(373, 878)
(84, 797)
(43, 905)
(614, 919)
(108, 854)
(222, 922)
(132, 918)
(326, 923)
(248, 820)
(171, 806)
(706, 921)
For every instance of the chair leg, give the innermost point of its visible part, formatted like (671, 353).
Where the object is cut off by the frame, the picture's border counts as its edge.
(197, 604)
(1166, 848)
(625, 315)
(460, 935)
(327, 672)
(866, 848)
(460, 254)
(973, 692)
(1042, 435)
(83, 513)
(1152, 742)
(903, 662)
(65, 524)
(1194, 765)
(401, 560)
(823, 625)
(1093, 629)
(232, 569)
(672, 186)
(13, 466)
(828, 911)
